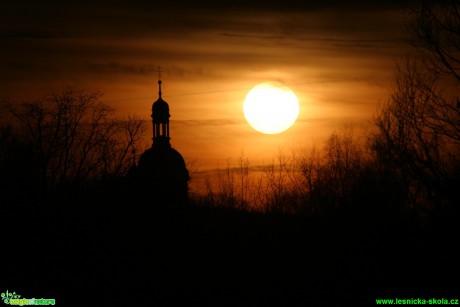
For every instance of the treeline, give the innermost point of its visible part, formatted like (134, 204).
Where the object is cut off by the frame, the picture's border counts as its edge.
(347, 174)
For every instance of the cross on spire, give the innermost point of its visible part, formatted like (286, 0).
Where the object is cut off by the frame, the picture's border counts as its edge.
(159, 70)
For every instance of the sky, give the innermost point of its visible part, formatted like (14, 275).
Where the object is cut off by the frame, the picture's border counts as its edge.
(337, 56)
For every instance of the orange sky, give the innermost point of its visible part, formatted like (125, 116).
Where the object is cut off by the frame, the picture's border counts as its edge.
(338, 58)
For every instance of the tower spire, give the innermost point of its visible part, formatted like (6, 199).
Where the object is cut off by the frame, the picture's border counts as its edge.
(160, 118)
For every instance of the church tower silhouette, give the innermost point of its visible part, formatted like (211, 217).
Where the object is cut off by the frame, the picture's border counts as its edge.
(161, 169)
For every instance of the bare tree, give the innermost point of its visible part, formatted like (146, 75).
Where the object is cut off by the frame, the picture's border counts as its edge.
(308, 162)
(434, 30)
(419, 127)
(124, 149)
(226, 186)
(342, 162)
(281, 184)
(74, 139)
(243, 171)
(432, 77)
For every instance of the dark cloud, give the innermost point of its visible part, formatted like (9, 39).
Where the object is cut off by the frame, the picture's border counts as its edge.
(114, 67)
(134, 19)
(203, 41)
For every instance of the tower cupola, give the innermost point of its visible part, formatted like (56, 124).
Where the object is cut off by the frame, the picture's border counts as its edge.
(160, 120)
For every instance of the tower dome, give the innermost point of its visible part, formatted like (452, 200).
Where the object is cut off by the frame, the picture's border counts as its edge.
(160, 109)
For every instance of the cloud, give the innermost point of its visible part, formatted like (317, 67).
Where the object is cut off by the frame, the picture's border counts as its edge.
(207, 122)
(116, 67)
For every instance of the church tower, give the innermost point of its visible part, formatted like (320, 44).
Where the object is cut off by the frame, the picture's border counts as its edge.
(162, 172)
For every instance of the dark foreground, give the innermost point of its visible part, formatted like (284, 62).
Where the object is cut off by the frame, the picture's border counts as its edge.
(126, 252)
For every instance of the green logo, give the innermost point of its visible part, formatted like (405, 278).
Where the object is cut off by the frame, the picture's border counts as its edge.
(15, 299)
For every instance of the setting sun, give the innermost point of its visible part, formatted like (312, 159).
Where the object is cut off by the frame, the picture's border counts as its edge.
(271, 107)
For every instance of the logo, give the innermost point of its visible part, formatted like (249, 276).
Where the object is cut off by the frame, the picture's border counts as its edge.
(15, 299)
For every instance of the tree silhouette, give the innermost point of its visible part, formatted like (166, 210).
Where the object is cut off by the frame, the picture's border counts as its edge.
(434, 30)
(419, 127)
(72, 138)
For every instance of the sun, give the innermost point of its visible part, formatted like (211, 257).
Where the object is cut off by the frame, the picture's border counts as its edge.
(271, 107)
